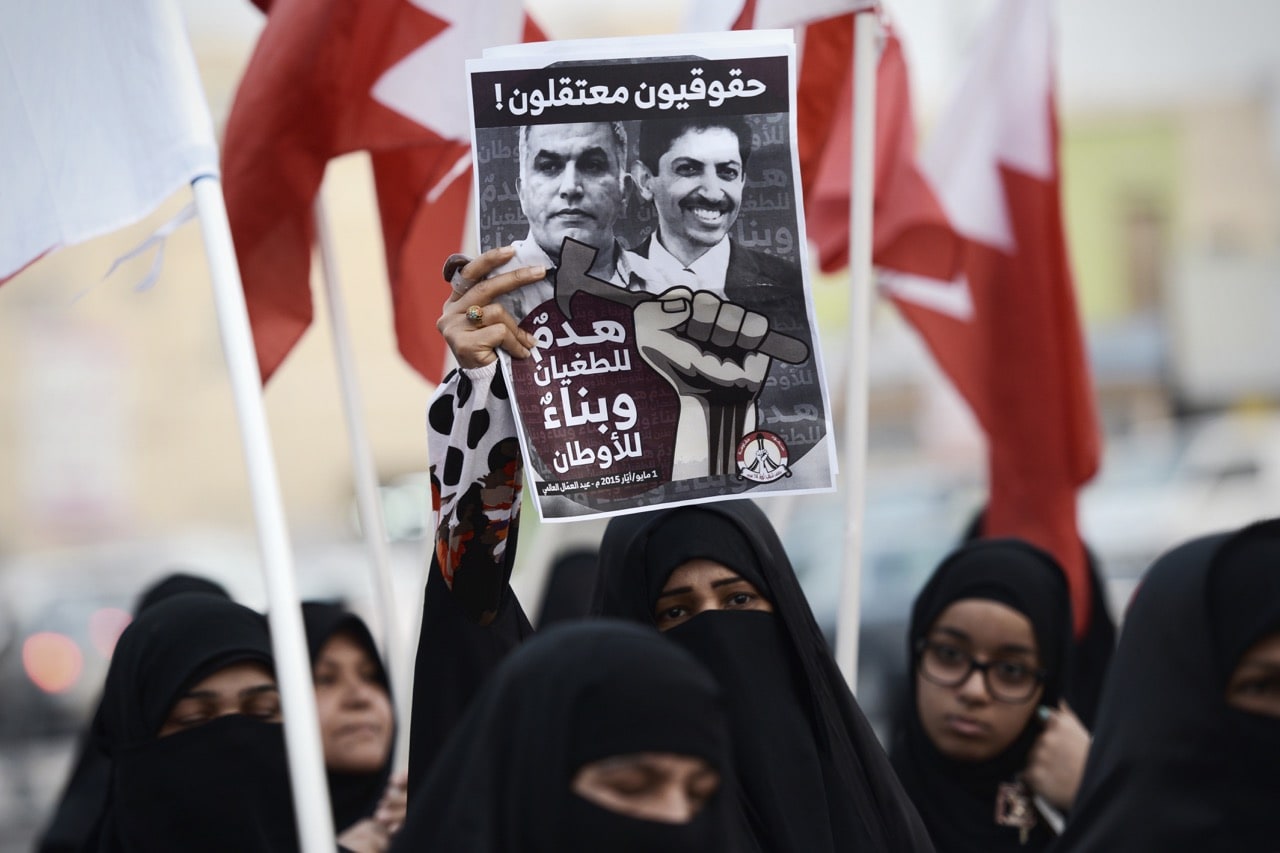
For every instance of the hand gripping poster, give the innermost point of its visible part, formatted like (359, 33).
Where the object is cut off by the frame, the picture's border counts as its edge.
(656, 179)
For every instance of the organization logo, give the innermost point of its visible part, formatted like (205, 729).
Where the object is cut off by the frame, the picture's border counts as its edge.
(762, 457)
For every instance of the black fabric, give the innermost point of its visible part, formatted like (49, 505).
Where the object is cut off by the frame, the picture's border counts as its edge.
(956, 799)
(354, 796)
(1090, 653)
(220, 786)
(454, 660)
(569, 588)
(176, 584)
(865, 806)
(575, 693)
(1172, 766)
(80, 806)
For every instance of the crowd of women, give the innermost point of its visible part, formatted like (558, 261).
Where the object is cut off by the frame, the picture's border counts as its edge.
(697, 707)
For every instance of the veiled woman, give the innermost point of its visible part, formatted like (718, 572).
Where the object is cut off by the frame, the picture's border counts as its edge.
(1187, 744)
(190, 719)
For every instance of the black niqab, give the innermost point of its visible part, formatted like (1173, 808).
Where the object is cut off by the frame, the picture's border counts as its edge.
(217, 787)
(80, 807)
(573, 694)
(957, 799)
(353, 796)
(813, 777)
(1172, 766)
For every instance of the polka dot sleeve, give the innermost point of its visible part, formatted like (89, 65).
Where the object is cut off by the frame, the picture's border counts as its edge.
(476, 483)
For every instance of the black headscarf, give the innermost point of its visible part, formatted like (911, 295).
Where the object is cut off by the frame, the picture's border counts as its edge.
(569, 588)
(1172, 766)
(813, 776)
(80, 807)
(354, 796)
(957, 799)
(217, 787)
(573, 694)
(1091, 652)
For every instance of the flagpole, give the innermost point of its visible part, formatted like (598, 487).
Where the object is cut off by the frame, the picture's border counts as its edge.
(865, 54)
(372, 521)
(284, 612)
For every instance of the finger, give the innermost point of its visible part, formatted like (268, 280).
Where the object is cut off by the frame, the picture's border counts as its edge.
(728, 324)
(703, 317)
(496, 315)
(452, 273)
(479, 267)
(495, 286)
(754, 329)
(667, 311)
(478, 347)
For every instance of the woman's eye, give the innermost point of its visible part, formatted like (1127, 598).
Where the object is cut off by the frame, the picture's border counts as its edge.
(948, 654)
(629, 784)
(703, 788)
(1259, 687)
(740, 599)
(1012, 672)
(264, 708)
(672, 613)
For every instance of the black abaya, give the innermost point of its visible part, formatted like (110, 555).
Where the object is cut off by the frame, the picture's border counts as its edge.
(216, 787)
(1172, 766)
(574, 694)
(813, 776)
(958, 800)
(80, 807)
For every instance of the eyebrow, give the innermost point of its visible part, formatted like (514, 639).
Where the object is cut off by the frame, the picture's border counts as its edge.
(248, 691)
(1016, 648)
(1252, 666)
(681, 590)
(733, 161)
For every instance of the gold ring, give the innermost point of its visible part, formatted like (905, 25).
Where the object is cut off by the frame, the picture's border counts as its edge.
(475, 314)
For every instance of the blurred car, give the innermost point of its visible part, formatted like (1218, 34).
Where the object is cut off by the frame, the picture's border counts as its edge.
(1164, 482)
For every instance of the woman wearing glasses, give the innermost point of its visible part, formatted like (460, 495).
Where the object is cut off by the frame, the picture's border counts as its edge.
(988, 743)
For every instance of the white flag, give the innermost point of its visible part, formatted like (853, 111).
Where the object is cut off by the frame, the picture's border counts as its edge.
(102, 117)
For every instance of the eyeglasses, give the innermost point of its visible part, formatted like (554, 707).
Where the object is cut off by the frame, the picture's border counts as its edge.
(948, 665)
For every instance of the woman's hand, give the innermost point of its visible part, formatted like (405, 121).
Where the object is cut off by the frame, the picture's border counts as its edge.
(1056, 763)
(476, 327)
(394, 803)
(373, 835)
(365, 836)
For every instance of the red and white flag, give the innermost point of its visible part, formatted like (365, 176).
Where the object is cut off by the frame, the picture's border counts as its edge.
(824, 117)
(329, 77)
(997, 306)
(102, 118)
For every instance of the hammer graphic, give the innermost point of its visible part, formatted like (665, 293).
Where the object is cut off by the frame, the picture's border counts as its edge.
(572, 278)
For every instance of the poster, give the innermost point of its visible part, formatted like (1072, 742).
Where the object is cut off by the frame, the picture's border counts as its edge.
(657, 180)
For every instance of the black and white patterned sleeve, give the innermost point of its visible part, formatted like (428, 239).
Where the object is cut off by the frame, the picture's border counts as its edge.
(477, 477)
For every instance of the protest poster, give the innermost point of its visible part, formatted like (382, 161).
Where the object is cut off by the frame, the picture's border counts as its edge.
(657, 180)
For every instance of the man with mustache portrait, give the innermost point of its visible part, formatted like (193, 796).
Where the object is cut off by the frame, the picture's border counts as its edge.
(571, 184)
(694, 170)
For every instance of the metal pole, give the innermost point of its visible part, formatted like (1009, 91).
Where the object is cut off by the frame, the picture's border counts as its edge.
(372, 521)
(865, 55)
(288, 640)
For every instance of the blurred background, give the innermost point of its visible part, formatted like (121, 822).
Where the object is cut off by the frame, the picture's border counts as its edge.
(120, 458)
